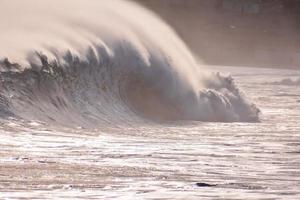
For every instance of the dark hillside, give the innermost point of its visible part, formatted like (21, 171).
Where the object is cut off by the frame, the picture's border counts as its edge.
(237, 32)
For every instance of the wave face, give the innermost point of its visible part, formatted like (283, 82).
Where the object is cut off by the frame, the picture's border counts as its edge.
(93, 62)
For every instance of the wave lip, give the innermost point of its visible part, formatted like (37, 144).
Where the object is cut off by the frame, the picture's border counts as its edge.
(108, 67)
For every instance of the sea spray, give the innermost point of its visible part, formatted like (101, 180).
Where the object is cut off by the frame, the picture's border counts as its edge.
(93, 63)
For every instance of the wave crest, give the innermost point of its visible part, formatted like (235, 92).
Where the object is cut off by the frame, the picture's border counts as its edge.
(117, 70)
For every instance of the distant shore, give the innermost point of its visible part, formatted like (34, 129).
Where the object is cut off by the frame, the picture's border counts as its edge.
(236, 33)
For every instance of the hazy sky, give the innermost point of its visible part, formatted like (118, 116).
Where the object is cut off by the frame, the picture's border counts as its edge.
(232, 32)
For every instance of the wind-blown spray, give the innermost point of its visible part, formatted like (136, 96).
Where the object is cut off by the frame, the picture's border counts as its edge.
(105, 62)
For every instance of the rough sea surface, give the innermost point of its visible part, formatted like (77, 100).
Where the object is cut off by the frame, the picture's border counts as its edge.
(236, 160)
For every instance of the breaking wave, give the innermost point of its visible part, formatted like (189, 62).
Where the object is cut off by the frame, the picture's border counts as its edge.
(287, 81)
(92, 63)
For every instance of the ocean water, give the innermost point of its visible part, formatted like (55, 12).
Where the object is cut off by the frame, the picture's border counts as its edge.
(164, 161)
(104, 100)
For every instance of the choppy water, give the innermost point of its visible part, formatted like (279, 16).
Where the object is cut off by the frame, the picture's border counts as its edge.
(163, 161)
(103, 100)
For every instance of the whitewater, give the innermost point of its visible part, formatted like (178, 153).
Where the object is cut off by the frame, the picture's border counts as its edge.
(102, 99)
(103, 61)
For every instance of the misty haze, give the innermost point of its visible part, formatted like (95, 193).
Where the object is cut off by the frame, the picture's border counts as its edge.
(150, 99)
